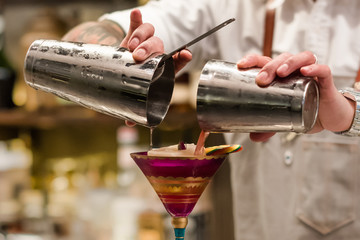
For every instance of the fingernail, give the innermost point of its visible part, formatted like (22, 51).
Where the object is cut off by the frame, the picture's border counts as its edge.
(140, 53)
(307, 68)
(242, 61)
(134, 43)
(283, 68)
(262, 76)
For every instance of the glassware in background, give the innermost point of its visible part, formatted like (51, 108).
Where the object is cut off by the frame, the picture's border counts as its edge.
(7, 72)
(151, 226)
(127, 139)
(127, 205)
(33, 214)
(142, 2)
(80, 190)
(15, 162)
(46, 24)
(133, 200)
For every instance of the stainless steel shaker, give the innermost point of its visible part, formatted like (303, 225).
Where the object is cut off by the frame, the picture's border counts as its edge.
(229, 100)
(103, 78)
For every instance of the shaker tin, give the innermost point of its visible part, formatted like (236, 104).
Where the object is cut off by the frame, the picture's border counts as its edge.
(229, 100)
(102, 78)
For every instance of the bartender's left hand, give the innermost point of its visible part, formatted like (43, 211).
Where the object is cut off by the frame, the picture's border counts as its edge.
(335, 111)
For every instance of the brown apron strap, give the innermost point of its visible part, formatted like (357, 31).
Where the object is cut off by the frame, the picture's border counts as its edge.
(358, 76)
(269, 30)
(269, 35)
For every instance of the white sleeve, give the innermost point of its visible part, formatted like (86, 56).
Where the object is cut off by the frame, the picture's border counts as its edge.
(177, 22)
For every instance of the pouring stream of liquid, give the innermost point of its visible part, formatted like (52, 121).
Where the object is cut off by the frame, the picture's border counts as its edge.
(200, 150)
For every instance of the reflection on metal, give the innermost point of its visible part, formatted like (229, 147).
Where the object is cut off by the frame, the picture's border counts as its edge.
(229, 100)
(102, 78)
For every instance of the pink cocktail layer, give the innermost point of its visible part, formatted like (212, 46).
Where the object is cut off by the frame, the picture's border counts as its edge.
(179, 182)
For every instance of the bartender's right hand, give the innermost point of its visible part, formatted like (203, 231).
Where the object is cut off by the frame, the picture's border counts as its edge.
(139, 39)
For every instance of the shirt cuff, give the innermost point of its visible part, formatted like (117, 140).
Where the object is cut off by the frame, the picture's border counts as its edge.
(353, 95)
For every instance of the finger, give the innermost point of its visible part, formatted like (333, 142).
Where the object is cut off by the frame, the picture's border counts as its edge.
(295, 62)
(335, 111)
(147, 48)
(261, 137)
(135, 22)
(181, 59)
(139, 35)
(253, 60)
(268, 73)
(321, 73)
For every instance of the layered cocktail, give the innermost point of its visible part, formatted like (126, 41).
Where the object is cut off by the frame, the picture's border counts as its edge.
(179, 178)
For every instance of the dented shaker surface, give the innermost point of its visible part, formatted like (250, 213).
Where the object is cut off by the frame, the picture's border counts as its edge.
(103, 78)
(229, 100)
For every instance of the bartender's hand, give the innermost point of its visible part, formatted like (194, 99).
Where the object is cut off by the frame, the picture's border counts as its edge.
(336, 112)
(140, 39)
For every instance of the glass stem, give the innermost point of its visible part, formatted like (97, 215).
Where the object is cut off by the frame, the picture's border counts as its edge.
(179, 233)
(179, 224)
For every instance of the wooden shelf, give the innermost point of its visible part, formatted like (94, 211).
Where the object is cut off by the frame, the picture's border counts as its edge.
(48, 118)
(178, 117)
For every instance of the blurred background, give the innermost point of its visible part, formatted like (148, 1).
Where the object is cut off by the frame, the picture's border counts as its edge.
(65, 171)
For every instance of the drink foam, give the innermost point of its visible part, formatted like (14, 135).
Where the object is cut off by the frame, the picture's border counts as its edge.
(172, 151)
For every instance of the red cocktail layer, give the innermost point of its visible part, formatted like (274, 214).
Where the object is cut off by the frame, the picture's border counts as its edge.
(178, 181)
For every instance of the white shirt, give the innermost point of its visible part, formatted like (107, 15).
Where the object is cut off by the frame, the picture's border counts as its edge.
(305, 188)
(300, 25)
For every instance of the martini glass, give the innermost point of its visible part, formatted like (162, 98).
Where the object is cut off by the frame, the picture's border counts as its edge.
(179, 182)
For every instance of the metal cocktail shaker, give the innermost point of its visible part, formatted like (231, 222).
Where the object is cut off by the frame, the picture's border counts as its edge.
(229, 100)
(103, 78)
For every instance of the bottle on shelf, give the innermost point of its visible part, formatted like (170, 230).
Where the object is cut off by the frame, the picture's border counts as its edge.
(7, 72)
(45, 24)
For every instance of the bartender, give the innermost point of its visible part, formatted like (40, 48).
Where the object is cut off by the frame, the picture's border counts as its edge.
(287, 186)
